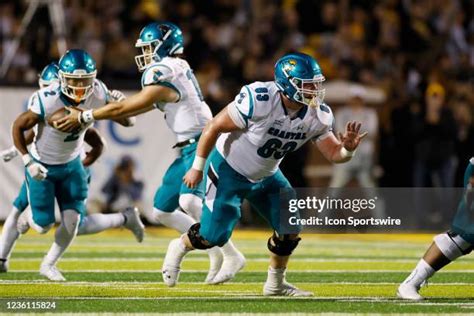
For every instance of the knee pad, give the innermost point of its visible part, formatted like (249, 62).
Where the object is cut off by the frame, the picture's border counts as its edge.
(282, 246)
(191, 204)
(452, 245)
(196, 239)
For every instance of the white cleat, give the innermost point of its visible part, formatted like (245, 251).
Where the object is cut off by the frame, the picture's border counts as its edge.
(3, 265)
(22, 224)
(51, 272)
(216, 258)
(134, 223)
(172, 263)
(408, 291)
(284, 289)
(230, 267)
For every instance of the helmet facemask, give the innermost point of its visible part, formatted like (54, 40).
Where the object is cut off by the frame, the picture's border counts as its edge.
(308, 91)
(148, 50)
(77, 86)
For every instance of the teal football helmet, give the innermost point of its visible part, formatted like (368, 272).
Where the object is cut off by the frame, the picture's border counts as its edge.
(48, 75)
(156, 41)
(299, 77)
(77, 72)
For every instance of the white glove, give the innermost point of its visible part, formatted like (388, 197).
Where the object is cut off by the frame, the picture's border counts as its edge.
(8, 154)
(36, 170)
(117, 95)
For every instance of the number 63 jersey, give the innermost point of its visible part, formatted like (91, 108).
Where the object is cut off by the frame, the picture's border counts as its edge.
(268, 131)
(50, 145)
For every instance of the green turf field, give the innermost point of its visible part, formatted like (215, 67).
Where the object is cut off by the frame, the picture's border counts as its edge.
(109, 272)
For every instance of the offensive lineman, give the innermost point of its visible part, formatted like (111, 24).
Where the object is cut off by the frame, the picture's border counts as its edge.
(168, 83)
(91, 224)
(53, 165)
(446, 247)
(252, 135)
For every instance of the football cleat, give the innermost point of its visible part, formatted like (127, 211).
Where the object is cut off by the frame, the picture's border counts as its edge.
(284, 289)
(51, 272)
(134, 223)
(230, 267)
(408, 291)
(3, 265)
(172, 263)
(216, 258)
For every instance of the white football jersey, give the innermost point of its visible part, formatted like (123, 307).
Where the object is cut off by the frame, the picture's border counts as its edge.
(268, 132)
(50, 145)
(188, 116)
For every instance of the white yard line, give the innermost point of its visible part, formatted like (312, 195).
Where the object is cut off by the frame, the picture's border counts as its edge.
(115, 271)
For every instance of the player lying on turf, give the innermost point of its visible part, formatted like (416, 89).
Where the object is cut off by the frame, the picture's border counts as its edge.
(91, 224)
(53, 165)
(168, 83)
(252, 135)
(446, 247)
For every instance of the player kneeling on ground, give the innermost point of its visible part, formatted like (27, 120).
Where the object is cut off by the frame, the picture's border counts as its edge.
(244, 164)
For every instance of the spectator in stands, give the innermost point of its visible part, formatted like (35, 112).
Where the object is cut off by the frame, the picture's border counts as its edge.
(361, 165)
(122, 189)
(435, 136)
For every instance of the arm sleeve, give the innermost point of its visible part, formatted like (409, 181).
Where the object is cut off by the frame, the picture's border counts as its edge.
(35, 105)
(242, 110)
(326, 119)
(162, 75)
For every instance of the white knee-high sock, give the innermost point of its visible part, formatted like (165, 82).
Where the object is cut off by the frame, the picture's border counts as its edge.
(9, 234)
(63, 237)
(177, 219)
(421, 273)
(229, 249)
(96, 223)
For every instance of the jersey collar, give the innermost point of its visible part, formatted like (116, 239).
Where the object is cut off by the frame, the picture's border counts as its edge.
(301, 113)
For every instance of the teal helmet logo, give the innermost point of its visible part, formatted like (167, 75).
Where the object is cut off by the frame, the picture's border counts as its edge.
(48, 75)
(77, 72)
(299, 77)
(158, 40)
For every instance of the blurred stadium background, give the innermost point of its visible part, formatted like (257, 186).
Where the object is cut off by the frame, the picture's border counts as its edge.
(403, 67)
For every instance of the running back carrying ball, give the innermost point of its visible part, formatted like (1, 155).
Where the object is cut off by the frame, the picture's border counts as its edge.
(59, 114)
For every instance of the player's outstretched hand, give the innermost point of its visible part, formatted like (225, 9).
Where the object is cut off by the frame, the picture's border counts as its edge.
(70, 122)
(192, 178)
(8, 154)
(351, 138)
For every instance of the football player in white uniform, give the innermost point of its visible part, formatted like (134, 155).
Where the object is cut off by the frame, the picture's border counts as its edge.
(53, 165)
(91, 224)
(252, 135)
(168, 83)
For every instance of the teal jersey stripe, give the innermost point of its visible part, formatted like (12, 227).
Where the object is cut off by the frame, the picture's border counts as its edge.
(248, 116)
(41, 107)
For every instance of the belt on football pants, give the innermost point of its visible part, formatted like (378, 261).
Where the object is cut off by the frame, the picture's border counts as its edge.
(185, 143)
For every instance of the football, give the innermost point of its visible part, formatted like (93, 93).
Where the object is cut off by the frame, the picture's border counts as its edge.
(59, 114)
